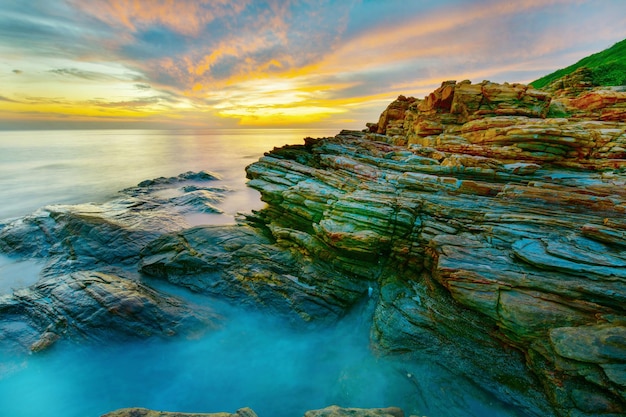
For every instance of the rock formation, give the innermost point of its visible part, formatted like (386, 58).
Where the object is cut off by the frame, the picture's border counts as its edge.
(482, 221)
(486, 222)
(89, 289)
(143, 412)
(332, 411)
(93, 305)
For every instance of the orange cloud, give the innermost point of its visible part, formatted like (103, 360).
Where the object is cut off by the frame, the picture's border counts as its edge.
(422, 35)
(184, 17)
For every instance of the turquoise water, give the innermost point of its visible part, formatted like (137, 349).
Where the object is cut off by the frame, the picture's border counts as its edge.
(252, 360)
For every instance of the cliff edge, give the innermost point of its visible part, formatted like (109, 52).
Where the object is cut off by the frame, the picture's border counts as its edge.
(486, 224)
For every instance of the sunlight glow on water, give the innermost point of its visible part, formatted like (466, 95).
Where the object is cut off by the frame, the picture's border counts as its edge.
(69, 167)
(252, 360)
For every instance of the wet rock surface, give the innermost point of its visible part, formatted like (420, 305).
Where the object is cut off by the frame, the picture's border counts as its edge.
(89, 288)
(490, 225)
(240, 264)
(333, 411)
(143, 412)
(93, 306)
(84, 236)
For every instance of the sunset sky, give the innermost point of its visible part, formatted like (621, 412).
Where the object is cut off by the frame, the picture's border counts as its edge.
(249, 63)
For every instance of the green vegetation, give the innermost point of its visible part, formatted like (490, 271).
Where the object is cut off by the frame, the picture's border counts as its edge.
(607, 67)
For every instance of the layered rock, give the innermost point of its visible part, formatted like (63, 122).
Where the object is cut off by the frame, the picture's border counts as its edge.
(89, 288)
(391, 120)
(238, 263)
(88, 236)
(485, 224)
(94, 306)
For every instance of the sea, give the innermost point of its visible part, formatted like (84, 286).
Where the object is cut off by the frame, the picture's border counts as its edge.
(253, 360)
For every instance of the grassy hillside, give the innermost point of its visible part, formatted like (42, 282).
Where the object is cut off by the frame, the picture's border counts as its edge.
(607, 67)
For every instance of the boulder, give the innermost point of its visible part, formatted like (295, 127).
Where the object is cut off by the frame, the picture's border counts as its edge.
(332, 411)
(93, 306)
(144, 412)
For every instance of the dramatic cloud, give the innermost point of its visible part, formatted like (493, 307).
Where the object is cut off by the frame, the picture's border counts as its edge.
(277, 62)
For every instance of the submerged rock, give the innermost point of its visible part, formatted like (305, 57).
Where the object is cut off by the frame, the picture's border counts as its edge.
(332, 411)
(143, 412)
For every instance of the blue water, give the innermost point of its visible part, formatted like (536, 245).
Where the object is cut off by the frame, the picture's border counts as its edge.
(252, 360)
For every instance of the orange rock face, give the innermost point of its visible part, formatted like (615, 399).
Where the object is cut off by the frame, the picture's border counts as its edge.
(454, 104)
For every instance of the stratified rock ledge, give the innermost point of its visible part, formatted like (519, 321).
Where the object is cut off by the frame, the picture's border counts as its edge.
(494, 233)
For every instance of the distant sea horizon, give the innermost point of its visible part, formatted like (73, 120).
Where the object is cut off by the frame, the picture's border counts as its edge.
(71, 166)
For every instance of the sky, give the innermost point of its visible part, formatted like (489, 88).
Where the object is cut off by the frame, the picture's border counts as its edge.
(249, 63)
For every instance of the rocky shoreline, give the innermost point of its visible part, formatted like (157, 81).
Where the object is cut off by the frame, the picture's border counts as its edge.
(486, 221)
(332, 411)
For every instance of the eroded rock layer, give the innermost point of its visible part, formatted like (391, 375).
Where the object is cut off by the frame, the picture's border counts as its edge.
(483, 222)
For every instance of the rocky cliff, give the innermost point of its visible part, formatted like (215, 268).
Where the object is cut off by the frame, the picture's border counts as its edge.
(489, 229)
(486, 221)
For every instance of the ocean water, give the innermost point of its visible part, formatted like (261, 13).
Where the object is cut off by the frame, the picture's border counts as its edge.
(252, 360)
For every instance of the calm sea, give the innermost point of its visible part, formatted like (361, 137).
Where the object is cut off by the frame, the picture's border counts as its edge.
(253, 361)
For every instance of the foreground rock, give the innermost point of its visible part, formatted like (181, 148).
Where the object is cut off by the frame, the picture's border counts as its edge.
(332, 411)
(89, 288)
(143, 412)
(95, 306)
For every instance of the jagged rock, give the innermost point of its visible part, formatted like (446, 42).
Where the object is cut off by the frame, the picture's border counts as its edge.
(394, 112)
(240, 264)
(332, 411)
(496, 226)
(93, 306)
(88, 236)
(335, 411)
(81, 293)
(143, 412)
(454, 104)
